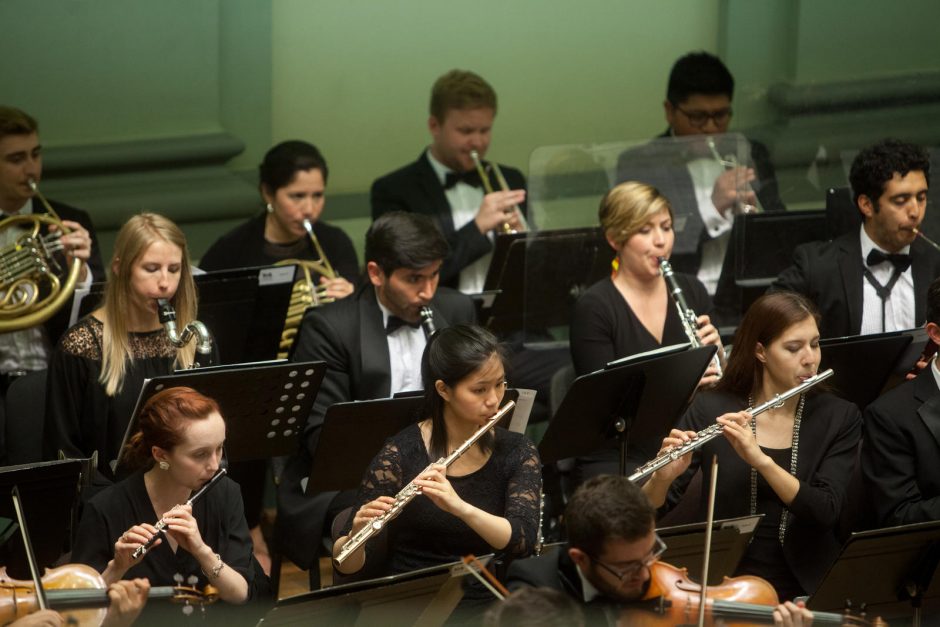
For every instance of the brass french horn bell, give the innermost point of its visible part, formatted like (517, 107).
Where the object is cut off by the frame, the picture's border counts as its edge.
(34, 285)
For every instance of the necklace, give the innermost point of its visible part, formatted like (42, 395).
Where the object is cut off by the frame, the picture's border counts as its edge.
(794, 447)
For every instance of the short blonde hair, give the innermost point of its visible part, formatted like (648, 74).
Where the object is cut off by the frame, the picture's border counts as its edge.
(627, 207)
(460, 89)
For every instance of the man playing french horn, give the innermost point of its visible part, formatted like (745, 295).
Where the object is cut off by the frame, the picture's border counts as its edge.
(22, 349)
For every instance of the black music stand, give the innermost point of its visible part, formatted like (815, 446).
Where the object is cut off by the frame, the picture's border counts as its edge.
(354, 432)
(423, 598)
(244, 309)
(861, 380)
(266, 406)
(730, 537)
(538, 277)
(638, 399)
(881, 568)
(50, 493)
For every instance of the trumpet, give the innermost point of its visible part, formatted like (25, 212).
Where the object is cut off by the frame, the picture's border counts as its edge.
(708, 434)
(410, 491)
(161, 524)
(729, 162)
(307, 292)
(488, 187)
(195, 329)
(686, 314)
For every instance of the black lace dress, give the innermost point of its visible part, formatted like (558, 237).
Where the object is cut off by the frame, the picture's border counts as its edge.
(507, 485)
(80, 417)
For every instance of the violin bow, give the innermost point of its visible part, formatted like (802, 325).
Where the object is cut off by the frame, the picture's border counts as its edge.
(478, 570)
(27, 545)
(708, 538)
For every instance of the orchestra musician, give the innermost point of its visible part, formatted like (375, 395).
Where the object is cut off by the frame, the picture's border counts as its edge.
(97, 369)
(873, 279)
(292, 182)
(612, 546)
(487, 500)
(632, 312)
(372, 344)
(445, 185)
(28, 350)
(127, 599)
(899, 460)
(177, 450)
(792, 463)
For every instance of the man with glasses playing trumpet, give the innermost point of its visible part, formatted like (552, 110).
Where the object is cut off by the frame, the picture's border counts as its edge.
(446, 183)
(23, 350)
(612, 546)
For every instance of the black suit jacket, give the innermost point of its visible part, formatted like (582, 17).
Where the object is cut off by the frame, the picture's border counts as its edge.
(553, 569)
(350, 337)
(416, 188)
(830, 275)
(58, 323)
(663, 165)
(900, 459)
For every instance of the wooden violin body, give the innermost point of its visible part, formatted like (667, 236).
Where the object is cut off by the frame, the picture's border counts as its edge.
(62, 585)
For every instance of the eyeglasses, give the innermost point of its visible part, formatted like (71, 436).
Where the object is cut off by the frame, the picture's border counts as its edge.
(699, 119)
(633, 568)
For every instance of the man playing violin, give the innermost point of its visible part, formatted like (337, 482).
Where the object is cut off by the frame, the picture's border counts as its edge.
(882, 271)
(611, 550)
(443, 183)
(28, 350)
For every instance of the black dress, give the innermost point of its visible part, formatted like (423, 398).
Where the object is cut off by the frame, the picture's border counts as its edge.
(219, 514)
(507, 485)
(245, 246)
(80, 417)
(604, 327)
(826, 453)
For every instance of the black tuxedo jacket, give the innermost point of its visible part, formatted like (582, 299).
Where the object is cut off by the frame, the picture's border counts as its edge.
(58, 323)
(900, 459)
(663, 165)
(831, 274)
(553, 569)
(416, 188)
(350, 337)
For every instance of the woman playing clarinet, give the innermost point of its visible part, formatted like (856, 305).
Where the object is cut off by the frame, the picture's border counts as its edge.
(792, 463)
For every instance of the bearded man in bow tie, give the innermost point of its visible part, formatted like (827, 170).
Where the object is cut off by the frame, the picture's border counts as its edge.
(876, 279)
(443, 183)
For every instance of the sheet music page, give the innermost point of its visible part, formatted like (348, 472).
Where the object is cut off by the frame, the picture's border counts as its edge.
(520, 417)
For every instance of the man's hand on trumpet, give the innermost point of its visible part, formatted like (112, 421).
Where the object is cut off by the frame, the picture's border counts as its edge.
(499, 208)
(76, 244)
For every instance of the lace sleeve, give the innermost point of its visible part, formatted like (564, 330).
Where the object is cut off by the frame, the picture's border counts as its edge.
(382, 478)
(523, 497)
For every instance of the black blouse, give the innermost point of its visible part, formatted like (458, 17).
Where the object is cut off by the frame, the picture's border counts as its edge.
(604, 327)
(80, 417)
(507, 485)
(245, 246)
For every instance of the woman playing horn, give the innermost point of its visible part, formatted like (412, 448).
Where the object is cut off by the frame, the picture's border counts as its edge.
(99, 365)
(292, 182)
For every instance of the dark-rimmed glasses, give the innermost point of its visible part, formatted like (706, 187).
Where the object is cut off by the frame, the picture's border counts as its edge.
(699, 119)
(633, 568)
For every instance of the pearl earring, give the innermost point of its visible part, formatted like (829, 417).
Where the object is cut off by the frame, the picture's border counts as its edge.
(164, 465)
(270, 208)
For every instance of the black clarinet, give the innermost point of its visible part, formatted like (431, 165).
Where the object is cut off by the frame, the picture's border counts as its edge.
(427, 322)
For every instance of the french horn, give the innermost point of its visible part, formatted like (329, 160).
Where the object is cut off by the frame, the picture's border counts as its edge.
(34, 280)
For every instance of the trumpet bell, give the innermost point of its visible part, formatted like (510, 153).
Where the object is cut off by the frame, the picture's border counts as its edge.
(34, 285)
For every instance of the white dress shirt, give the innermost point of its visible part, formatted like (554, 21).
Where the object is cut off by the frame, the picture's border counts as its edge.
(899, 306)
(405, 348)
(704, 173)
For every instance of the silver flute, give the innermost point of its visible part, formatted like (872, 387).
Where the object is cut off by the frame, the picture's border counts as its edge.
(161, 524)
(686, 314)
(710, 433)
(410, 491)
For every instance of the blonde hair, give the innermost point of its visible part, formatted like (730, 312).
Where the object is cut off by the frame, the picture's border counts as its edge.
(132, 241)
(627, 207)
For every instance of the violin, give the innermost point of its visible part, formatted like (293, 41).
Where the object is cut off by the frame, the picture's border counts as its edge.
(80, 594)
(673, 599)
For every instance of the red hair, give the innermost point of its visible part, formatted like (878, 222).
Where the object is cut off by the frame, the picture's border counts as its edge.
(163, 420)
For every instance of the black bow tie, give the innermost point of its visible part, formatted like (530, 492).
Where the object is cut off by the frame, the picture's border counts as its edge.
(471, 177)
(900, 262)
(394, 323)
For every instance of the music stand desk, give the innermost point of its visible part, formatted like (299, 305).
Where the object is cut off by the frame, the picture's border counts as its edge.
(639, 399)
(265, 406)
(730, 537)
(862, 364)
